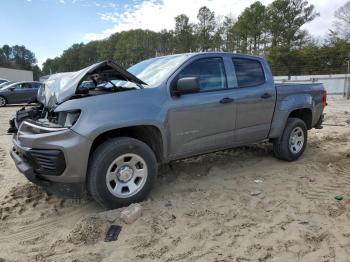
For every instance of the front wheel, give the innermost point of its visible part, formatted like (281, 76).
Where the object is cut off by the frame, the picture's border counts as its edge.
(121, 171)
(293, 142)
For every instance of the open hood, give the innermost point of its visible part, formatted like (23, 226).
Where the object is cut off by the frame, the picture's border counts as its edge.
(62, 86)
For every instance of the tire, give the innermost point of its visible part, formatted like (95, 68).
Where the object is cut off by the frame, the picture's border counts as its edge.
(290, 148)
(3, 101)
(114, 176)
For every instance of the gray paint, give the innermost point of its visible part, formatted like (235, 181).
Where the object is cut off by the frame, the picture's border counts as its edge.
(190, 124)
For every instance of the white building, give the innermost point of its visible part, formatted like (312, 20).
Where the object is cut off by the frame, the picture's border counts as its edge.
(16, 74)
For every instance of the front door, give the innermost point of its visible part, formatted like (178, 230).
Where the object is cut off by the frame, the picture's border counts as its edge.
(204, 121)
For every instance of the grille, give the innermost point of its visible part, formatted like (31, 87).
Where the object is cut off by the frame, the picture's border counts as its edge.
(47, 162)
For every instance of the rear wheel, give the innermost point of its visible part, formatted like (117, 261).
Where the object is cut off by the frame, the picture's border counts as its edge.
(3, 101)
(293, 142)
(121, 171)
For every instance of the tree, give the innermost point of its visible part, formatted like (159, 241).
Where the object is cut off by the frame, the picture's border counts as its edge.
(272, 31)
(342, 23)
(205, 28)
(250, 29)
(183, 34)
(285, 18)
(228, 36)
(18, 57)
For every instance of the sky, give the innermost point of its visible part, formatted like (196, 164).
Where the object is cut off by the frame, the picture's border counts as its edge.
(48, 27)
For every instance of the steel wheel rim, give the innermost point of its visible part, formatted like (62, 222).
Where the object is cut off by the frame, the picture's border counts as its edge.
(126, 175)
(296, 140)
(2, 101)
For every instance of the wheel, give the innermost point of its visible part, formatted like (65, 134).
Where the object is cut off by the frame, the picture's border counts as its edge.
(3, 101)
(293, 142)
(121, 171)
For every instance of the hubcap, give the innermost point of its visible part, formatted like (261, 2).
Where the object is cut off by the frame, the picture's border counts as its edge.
(2, 101)
(127, 175)
(296, 140)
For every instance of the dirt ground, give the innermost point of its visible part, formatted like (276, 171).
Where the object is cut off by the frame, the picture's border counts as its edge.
(201, 209)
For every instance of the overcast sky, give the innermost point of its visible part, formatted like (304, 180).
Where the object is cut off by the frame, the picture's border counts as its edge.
(47, 27)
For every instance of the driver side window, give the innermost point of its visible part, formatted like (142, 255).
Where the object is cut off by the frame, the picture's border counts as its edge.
(209, 71)
(19, 86)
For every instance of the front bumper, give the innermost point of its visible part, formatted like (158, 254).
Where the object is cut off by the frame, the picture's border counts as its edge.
(68, 152)
(69, 190)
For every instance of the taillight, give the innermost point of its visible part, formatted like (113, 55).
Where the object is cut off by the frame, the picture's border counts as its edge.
(324, 100)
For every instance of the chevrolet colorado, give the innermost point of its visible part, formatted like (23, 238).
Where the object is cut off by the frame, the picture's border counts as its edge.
(108, 139)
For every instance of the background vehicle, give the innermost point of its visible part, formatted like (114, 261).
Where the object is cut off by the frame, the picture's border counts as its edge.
(3, 84)
(19, 92)
(111, 141)
(2, 80)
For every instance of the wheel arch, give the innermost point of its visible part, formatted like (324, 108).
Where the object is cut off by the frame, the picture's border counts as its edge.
(304, 114)
(149, 134)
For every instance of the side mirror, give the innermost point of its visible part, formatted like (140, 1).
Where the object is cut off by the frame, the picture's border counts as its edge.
(186, 85)
(11, 88)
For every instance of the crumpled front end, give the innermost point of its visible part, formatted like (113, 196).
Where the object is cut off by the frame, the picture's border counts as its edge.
(56, 159)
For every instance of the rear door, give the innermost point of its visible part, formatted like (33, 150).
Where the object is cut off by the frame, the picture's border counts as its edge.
(255, 96)
(202, 121)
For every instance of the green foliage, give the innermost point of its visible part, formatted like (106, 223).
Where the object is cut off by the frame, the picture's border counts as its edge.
(18, 57)
(273, 31)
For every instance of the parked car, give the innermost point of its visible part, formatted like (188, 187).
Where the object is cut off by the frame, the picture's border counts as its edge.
(19, 92)
(2, 80)
(110, 142)
(3, 84)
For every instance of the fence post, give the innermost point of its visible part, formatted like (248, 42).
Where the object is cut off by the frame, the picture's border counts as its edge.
(348, 90)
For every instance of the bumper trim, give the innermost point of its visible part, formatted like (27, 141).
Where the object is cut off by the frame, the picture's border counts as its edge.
(65, 190)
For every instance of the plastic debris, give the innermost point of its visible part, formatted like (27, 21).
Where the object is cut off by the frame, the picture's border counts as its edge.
(258, 181)
(131, 213)
(339, 197)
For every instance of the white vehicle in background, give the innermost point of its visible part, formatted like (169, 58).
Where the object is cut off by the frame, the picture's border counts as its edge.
(2, 80)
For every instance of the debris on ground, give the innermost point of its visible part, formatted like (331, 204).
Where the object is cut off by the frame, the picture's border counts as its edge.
(339, 197)
(113, 233)
(255, 193)
(131, 213)
(312, 179)
(168, 204)
(258, 181)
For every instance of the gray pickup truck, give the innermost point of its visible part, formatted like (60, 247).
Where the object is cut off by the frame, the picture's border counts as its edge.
(108, 139)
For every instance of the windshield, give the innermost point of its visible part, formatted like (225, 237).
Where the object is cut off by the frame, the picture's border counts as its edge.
(155, 70)
(4, 86)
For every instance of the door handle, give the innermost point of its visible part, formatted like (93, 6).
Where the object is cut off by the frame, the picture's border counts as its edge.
(226, 100)
(266, 95)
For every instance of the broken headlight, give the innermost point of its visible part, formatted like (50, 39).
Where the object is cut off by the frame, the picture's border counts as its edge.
(68, 118)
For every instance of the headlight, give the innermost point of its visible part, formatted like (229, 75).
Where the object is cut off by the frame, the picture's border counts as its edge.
(68, 118)
(63, 121)
(41, 95)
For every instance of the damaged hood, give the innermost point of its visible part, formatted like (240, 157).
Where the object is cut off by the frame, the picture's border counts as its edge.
(62, 86)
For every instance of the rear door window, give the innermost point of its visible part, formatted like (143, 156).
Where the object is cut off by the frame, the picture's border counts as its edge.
(249, 72)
